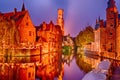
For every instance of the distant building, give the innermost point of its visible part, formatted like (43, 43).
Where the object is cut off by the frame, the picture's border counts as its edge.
(107, 33)
(99, 37)
(68, 41)
(49, 36)
(60, 20)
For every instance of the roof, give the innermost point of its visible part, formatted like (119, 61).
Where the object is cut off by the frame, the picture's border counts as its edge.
(48, 27)
(16, 16)
(111, 3)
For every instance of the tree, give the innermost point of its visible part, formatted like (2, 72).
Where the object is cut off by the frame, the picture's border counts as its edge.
(84, 37)
(89, 34)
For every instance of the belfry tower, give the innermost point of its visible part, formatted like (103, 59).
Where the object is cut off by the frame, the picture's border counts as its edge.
(111, 24)
(60, 20)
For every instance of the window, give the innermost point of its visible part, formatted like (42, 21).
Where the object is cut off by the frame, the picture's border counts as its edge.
(29, 74)
(111, 48)
(27, 24)
(111, 33)
(27, 18)
(111, 25)
(30, 33)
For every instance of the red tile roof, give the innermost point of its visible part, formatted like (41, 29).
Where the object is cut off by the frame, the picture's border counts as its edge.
(16, 16)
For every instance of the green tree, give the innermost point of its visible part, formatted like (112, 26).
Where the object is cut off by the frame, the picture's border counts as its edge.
(84, 37)
(89, 34)
(66, 50)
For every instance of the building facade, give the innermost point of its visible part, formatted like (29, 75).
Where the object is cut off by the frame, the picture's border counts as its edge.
(99, 37)
(17, 34)
(49, 36)
(107, 36)
(26, 29)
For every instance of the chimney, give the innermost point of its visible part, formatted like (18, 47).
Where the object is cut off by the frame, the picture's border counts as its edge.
(15, 10)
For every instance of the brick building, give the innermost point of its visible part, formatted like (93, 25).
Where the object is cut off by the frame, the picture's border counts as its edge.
(107, 35)
(17, 34)
(50, 38)
(26, 29)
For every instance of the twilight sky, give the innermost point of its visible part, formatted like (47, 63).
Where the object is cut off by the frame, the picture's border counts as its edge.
(77, 13)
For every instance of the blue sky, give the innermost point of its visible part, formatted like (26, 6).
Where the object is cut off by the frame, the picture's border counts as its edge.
(77, 13)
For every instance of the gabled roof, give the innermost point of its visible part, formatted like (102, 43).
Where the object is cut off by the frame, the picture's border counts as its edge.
(16, 16)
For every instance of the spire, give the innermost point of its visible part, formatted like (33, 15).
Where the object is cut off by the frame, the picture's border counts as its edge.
(99, 18)
(111, 3)
(23, 7)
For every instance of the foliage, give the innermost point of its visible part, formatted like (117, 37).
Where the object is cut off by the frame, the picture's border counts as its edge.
(84, 37)
(83, 65)
(66, 50)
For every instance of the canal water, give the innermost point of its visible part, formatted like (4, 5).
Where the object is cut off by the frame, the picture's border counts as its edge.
(75, 67)
(72, 71)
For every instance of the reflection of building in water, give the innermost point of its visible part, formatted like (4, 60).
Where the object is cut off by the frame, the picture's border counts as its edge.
(92, 61)
(68, 58)
(18, 71)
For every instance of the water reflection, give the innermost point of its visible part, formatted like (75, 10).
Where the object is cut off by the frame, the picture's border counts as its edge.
(92, 60)
(72, 71)
(72, 67)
